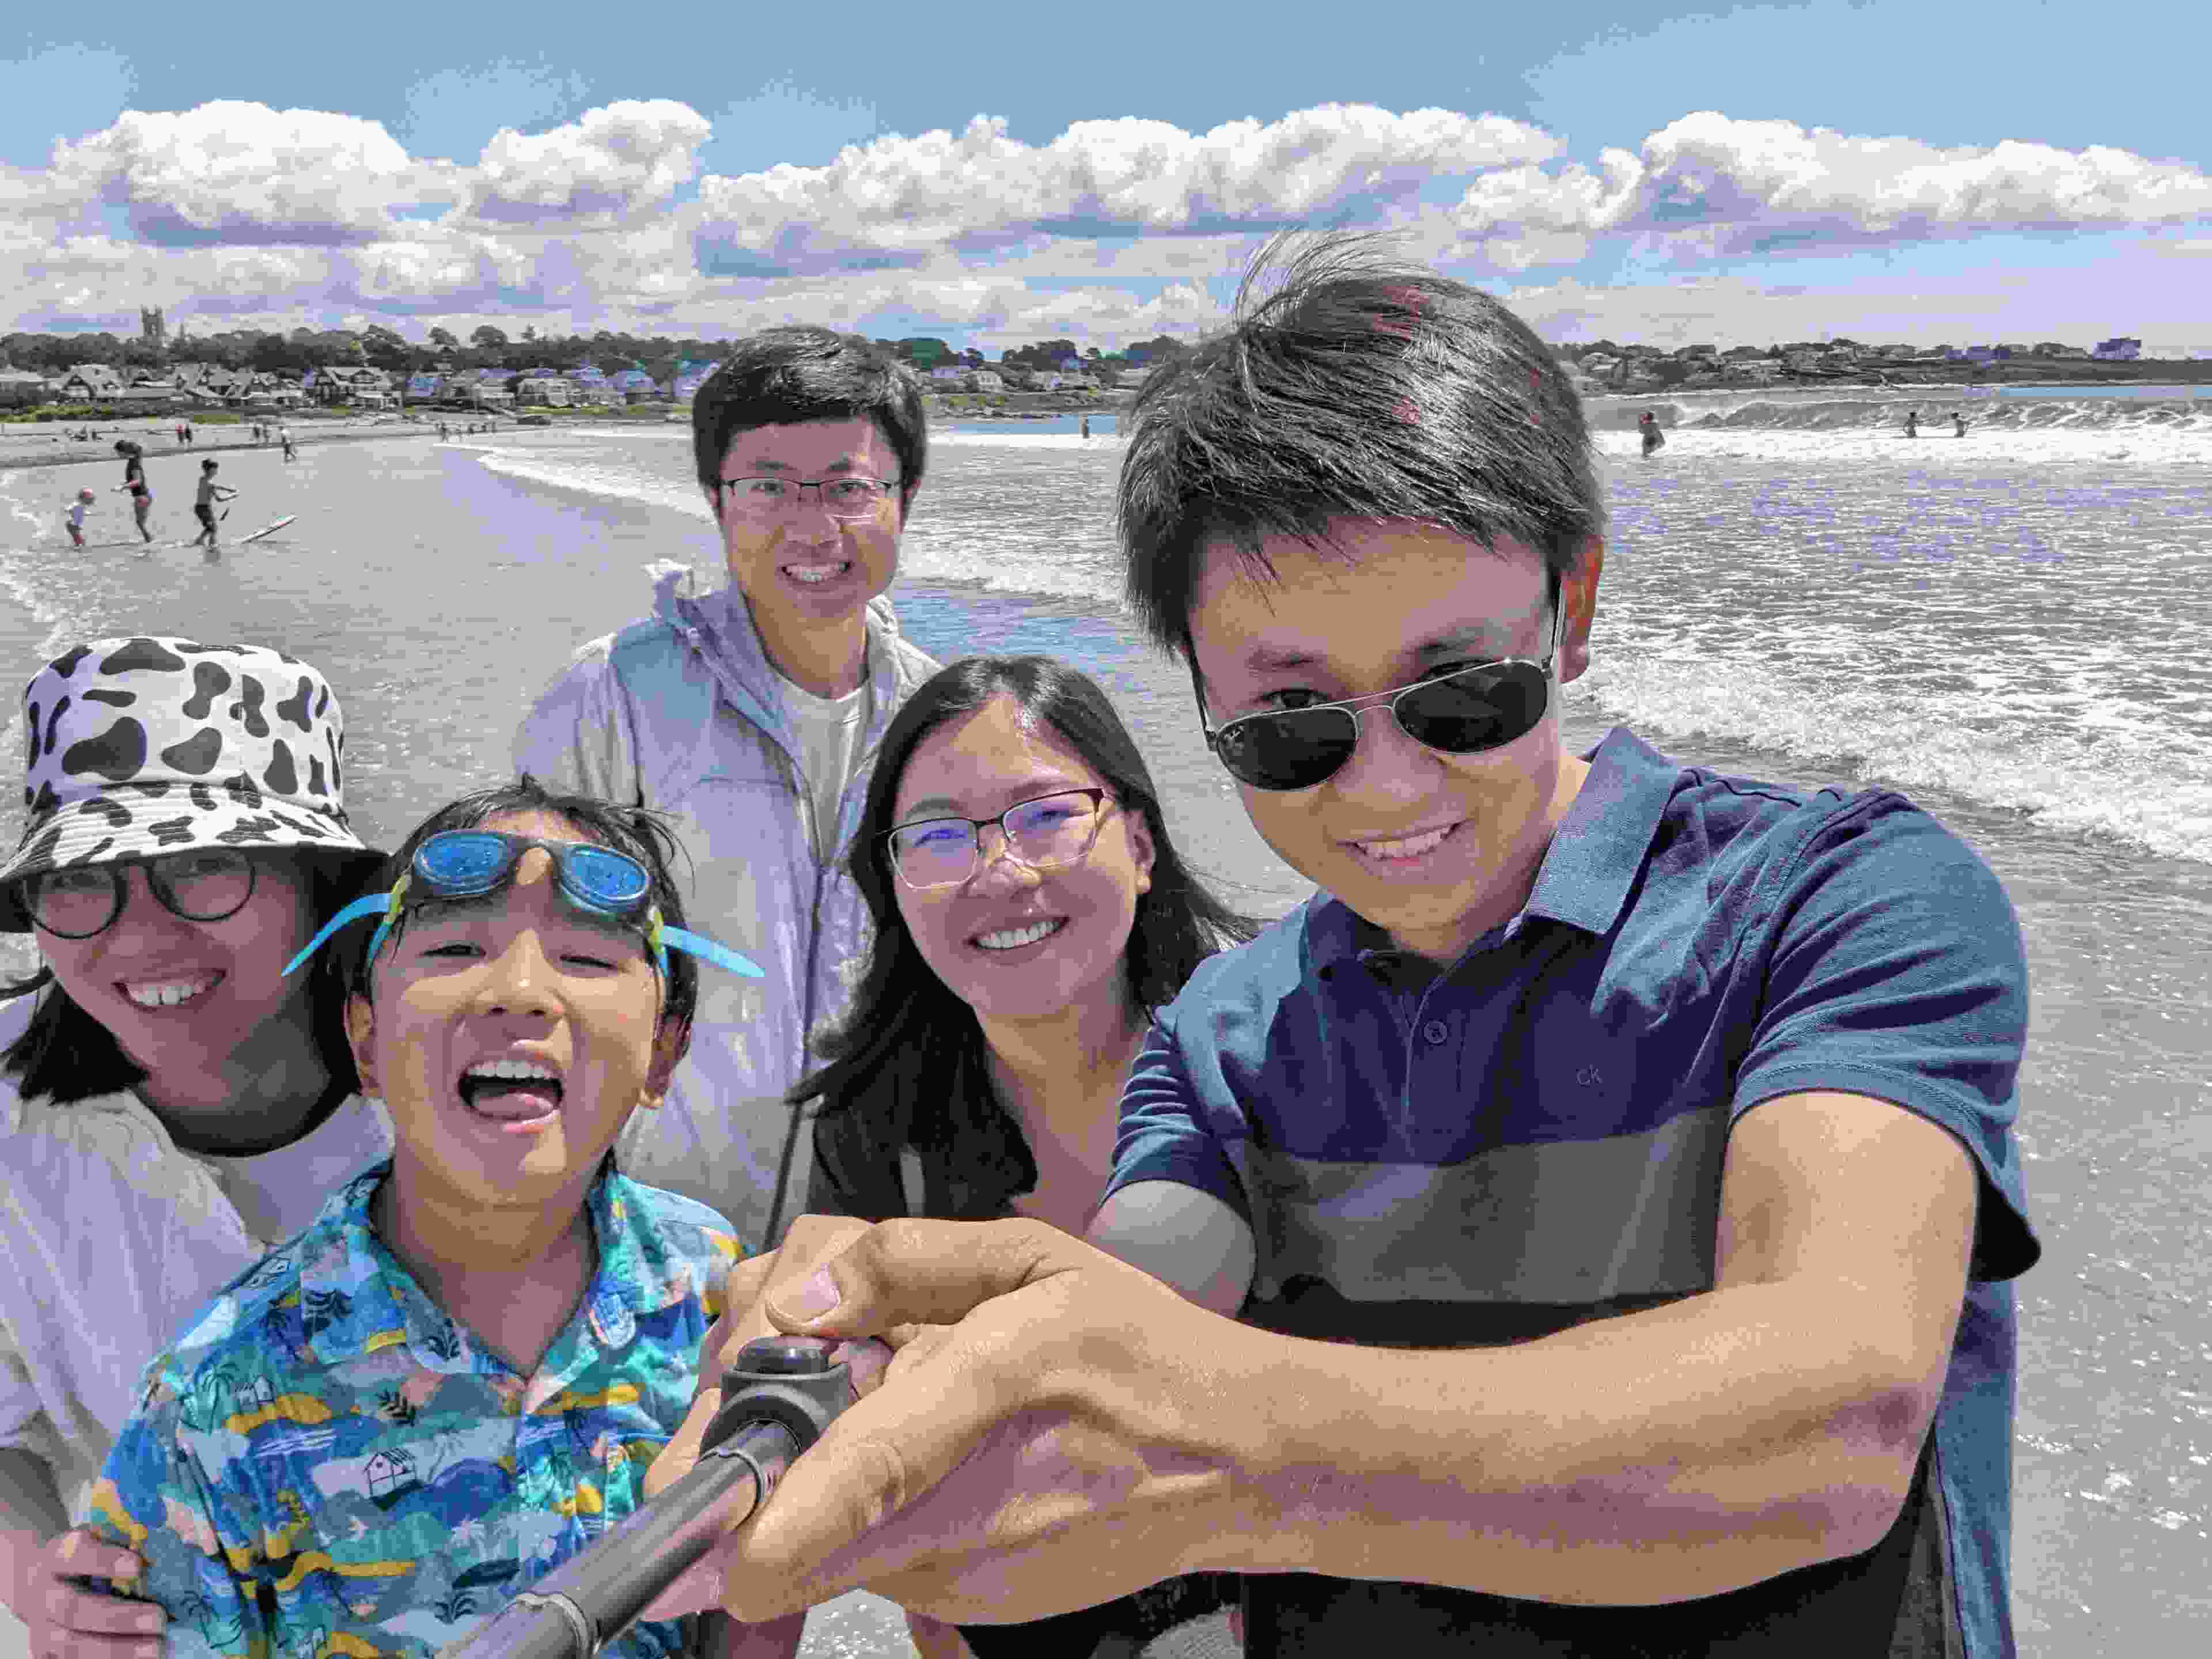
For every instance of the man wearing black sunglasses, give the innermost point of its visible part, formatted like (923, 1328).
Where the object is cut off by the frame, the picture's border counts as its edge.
(1636, 1142)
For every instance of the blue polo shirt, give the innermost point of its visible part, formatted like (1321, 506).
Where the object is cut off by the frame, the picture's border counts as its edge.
(1532, 1138)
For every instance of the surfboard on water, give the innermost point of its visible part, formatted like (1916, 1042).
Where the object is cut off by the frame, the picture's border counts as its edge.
(268, 529)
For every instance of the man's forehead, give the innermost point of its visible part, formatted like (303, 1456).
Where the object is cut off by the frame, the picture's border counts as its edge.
(830, 445)
(1378, 589)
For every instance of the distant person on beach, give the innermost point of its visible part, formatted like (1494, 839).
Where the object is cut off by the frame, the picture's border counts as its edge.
(1958, 425)
(1086, 429)
(978, 1071)
(497, 1329)
(284, 433)
(1653, 437)
(1913, 423)
(134, 483)
(76, 512)
(1584, 1225)
(171, 1104)
(210, 492)
(750, 715)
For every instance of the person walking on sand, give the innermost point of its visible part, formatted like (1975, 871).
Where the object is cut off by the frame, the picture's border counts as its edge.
(284, 436)
(210, 492)
(134, 481)
(84, 499)
(1086, 429)
(1958, 424)
(1911, 423)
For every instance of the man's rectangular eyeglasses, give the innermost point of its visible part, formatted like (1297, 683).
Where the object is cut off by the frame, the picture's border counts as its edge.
(852, 497)
(1048, 833)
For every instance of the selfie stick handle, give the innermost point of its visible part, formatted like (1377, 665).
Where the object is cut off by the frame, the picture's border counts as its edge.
(777, 1401)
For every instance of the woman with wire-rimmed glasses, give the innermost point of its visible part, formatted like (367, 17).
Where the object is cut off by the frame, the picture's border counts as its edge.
(1030, 911)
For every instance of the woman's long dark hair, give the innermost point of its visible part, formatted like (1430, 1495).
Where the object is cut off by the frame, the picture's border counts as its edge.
(66, 1055)
(907, 1036)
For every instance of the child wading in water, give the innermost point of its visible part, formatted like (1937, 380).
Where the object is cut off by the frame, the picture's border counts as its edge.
(210, 492)
(451, 1383)
(84, 499)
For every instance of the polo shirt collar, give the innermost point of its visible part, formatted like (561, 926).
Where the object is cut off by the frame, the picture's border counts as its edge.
(1600, 847)
(359, 1298)
(1588, 870)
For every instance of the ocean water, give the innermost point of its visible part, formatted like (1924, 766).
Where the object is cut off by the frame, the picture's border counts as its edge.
(2014, 628)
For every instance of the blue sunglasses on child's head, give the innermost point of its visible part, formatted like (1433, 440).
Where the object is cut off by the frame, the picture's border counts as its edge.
(462, 864)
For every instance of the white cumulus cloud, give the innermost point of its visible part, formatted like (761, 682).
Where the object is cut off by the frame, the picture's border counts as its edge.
(1713, 187)
(624, 159)
(230, 172)
(897, 200)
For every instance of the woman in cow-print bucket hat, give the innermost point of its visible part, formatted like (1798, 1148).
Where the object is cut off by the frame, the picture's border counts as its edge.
(142, 746)
(172, 1106)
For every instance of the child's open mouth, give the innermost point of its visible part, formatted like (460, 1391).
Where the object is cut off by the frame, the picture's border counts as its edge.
(517, 1095)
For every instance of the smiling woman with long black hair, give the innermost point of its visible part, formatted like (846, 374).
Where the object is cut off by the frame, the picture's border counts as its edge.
(1030, 912)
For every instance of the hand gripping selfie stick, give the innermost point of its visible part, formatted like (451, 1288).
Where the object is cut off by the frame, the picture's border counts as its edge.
(777, 1401)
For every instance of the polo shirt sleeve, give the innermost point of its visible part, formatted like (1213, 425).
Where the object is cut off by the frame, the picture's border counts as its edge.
(156, 1498)
(1164, 1134)
(1894, 968)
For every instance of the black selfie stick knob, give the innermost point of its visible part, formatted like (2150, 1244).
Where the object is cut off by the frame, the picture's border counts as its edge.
(781, 1380)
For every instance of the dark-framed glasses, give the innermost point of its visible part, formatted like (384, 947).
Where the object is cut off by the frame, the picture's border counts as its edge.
(1048, 833)
(202, 883)
(1466, 711)
(851, 497)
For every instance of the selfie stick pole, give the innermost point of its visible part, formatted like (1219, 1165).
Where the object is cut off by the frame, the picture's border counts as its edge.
(777, 1401)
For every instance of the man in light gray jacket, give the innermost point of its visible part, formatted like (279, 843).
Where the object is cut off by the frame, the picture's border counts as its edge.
(752, 717)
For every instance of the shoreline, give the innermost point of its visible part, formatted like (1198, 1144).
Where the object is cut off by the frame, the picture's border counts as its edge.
(100, 451)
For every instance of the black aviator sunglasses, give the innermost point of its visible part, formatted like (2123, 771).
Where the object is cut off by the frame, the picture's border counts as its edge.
(1483, 706)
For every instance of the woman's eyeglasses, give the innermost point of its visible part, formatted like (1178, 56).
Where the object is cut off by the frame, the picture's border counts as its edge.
(773, 498)
(1048, 833)
(204, 883)
(1483, 706)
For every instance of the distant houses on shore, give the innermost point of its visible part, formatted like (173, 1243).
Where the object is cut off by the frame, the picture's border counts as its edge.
(1606, 366)
(355, 386)
(1048, 367)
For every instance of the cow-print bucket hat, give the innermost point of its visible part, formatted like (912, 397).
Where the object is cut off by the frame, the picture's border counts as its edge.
(138, 747)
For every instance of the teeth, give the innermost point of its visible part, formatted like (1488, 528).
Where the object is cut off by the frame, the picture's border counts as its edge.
(1015, 937)
(169, 995)
(514, 1068)
(1411, 847)
(814, 573)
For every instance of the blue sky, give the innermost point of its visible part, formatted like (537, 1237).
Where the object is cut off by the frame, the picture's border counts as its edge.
(993, 172)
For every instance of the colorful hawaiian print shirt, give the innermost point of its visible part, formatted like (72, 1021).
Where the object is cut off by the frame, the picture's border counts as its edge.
(327, 1464)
